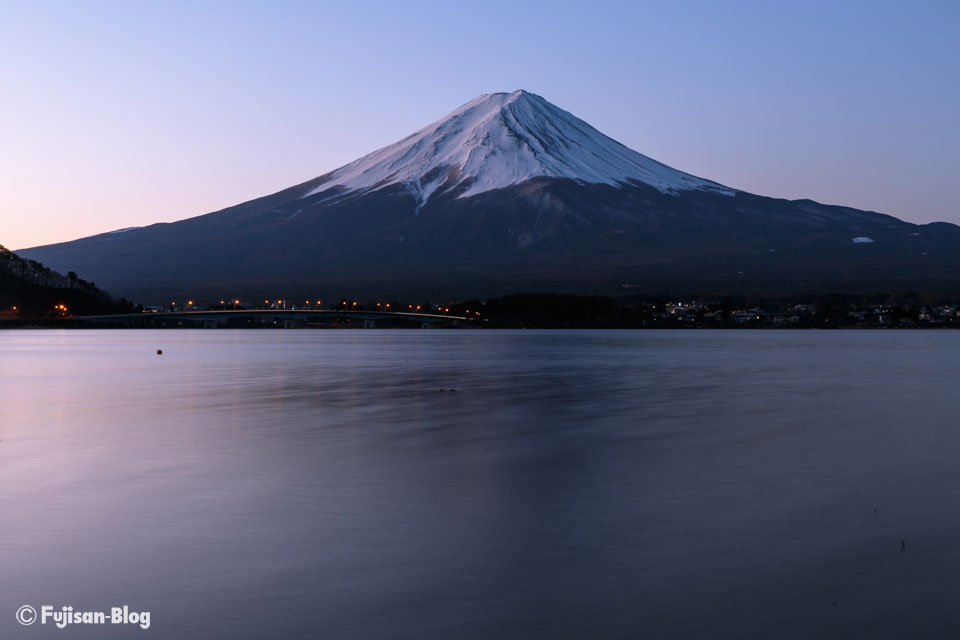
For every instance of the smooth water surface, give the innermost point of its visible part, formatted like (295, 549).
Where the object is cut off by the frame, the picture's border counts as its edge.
(483, 484)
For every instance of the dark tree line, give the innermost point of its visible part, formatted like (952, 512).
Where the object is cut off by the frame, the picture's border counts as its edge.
(30, 290)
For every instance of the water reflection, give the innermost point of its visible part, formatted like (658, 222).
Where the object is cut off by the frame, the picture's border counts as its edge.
(373, 484)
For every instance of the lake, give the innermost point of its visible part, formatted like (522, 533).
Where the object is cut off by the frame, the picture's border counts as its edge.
(482, 484)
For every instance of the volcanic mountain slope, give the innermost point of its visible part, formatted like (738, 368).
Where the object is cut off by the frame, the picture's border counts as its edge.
(500, 140)
(511, 193)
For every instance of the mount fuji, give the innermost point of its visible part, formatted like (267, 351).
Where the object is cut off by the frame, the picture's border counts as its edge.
(500, 140)
(510, 193)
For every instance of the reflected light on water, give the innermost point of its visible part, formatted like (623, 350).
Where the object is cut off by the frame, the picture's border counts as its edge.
(477, 484)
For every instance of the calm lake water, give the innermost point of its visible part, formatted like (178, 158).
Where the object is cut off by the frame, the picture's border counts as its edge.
(492, 484)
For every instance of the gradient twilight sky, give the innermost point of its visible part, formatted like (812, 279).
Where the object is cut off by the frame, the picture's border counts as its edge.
(119, 114)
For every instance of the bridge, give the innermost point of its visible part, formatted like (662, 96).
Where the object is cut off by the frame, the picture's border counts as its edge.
(286, 318)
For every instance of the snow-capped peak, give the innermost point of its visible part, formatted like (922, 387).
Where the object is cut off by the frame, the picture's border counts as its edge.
(502, 139)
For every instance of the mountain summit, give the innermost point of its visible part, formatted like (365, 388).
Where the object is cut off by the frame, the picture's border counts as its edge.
(510, 193)
(503, 139)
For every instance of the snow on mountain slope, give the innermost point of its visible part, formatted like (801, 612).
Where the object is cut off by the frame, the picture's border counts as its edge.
(501, 139)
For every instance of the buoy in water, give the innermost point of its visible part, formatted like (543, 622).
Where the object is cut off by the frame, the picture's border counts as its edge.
(159, 352)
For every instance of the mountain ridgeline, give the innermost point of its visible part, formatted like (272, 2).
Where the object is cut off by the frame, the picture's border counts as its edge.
(507, 194)
(31, 291)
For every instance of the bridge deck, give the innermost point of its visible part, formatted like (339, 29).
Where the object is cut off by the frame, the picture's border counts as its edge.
(277, 313)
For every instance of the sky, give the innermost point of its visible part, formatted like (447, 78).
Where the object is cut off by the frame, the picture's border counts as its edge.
(120, 114)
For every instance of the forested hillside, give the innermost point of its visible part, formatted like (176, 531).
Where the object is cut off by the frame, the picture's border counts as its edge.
(30, 291)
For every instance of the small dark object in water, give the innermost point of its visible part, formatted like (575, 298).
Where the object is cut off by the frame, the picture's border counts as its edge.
(159, 352)
(834, 603)
(903, 545)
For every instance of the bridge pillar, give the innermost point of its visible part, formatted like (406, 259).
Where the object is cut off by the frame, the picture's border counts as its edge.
(288, 323)
(426, 325)
(369, 324)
